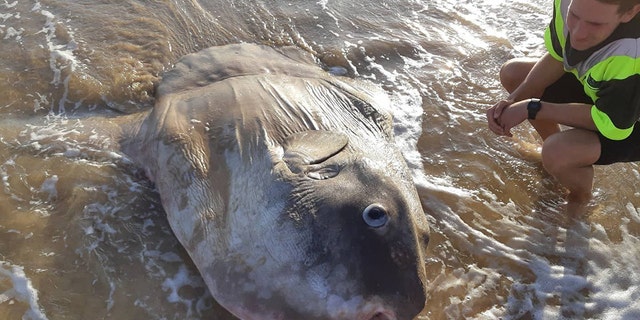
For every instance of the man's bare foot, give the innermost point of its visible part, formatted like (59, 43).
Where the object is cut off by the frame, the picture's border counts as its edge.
(528, 150)
(577, 209)
(577, 206)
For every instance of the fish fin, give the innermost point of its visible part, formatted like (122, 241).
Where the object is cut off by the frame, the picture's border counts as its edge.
(304, 151)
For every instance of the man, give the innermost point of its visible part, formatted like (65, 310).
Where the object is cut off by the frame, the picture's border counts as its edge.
(588, 80)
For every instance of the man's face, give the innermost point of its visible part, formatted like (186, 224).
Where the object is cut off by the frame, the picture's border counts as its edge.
(590, 22)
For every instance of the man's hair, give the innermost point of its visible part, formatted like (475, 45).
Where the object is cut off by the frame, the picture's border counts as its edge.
(623, 5)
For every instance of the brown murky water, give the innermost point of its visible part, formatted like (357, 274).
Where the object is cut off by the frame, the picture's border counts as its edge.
(82, 233)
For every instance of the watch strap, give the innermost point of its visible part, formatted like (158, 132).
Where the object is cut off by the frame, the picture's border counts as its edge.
(533, 107)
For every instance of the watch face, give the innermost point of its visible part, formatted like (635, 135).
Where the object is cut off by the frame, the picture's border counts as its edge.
(533, 107)
(534, 104)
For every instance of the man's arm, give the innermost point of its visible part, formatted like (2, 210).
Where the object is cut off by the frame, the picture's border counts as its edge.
(577, 115)
(544, 73)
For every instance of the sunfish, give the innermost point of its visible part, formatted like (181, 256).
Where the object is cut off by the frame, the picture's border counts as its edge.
(284, 185)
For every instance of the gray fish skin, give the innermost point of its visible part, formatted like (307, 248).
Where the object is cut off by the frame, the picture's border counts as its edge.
(285, 187)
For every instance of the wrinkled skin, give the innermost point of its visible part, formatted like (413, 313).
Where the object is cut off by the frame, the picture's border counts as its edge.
(284, 185)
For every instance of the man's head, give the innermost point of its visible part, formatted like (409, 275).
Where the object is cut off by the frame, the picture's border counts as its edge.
(592, 21)
(623, 5)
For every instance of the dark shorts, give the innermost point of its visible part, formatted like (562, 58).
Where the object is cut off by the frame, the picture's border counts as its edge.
(569, 89)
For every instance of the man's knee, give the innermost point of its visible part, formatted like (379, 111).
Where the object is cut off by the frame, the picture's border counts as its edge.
(513, 73)
(569, 149)
(552, 156)
(507, 77)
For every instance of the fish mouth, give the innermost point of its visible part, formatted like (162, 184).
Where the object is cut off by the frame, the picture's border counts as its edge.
(379, 315)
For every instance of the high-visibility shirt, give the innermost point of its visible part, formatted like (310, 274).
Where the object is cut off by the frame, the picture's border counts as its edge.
(609, 72)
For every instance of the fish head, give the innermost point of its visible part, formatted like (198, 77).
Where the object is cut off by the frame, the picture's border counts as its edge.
(349, 242)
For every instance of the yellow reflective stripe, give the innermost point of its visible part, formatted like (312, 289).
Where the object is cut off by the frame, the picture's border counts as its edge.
(549, 44)
(615, 68)
(559, 20)
(612, 68)
(606, 126)
(558, 25)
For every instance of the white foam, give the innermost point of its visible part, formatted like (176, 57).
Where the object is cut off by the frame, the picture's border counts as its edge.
(13, 33)
(323, 4)
(614, 277)
(22, 291)
(62, 59)
(7, 18)
(633, 212)
(49, 187)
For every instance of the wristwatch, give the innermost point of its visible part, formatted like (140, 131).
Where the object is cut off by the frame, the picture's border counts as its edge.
(533, 107)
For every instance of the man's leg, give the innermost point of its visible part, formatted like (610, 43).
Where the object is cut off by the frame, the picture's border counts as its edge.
(569, 156)
(514, 71)
(512, 74)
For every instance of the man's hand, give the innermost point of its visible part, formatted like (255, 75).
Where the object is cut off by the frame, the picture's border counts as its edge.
(505, 115)
(493, 116)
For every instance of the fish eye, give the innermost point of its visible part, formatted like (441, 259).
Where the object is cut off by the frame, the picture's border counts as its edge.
(375, 216)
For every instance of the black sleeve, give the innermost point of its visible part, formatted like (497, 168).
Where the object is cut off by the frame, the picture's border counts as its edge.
(620, 100)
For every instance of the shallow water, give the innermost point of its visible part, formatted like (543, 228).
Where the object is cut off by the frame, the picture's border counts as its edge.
(82, 233)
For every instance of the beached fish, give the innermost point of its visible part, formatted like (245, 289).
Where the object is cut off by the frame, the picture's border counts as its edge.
(283, 184)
